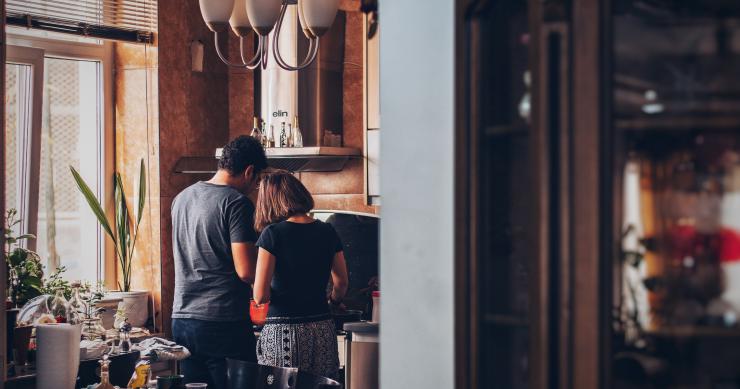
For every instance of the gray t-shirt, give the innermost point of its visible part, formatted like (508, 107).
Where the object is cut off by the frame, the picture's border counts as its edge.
(206, 219)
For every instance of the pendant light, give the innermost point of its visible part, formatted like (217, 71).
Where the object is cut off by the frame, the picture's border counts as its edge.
(263, 17)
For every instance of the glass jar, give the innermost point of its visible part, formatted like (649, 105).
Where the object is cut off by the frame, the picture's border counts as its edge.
(60, 307)
(76, 305)
(92, 329)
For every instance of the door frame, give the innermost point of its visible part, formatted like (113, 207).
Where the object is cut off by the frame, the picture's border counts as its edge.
(569, 333)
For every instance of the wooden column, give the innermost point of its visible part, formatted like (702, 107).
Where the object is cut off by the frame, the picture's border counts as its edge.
(587, 131)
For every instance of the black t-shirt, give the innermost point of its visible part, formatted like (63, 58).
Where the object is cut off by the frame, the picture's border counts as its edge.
(303, 257)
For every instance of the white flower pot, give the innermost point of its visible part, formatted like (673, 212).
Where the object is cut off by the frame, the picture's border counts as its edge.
(136, 304)
(110, 304)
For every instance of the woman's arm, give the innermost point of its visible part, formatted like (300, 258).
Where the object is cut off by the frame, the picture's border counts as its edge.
(263, 278)
(339, 277)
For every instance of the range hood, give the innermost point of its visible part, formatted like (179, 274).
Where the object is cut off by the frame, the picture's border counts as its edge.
(298, 159)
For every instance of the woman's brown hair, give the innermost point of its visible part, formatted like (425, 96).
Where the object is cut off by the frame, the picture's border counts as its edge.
(281, 196)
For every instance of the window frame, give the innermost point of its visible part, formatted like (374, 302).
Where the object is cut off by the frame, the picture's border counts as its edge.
(28, 208)
(102, 52)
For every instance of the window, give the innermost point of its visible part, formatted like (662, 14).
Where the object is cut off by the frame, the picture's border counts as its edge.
(58, 115)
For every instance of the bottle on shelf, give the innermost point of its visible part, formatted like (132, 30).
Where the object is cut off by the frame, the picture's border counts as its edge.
(283, 136)
(265, 136)
(256, 132)
(271, 141)
(290, 135)
(296, 135)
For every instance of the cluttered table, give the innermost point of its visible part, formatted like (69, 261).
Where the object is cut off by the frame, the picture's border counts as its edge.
(145, 346)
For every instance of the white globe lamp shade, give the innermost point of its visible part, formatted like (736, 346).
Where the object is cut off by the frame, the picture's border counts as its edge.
(304, 27)
(216, 13)
(263, 14)
(319, 14)
(239, 20)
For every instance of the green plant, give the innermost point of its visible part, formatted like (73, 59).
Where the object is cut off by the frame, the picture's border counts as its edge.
(126, 228)
(55, 282)
(25, 271)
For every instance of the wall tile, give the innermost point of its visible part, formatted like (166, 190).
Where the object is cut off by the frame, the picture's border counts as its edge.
(134, 56)
(193, 114)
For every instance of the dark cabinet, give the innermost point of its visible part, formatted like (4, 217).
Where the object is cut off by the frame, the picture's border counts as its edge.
(599, 177)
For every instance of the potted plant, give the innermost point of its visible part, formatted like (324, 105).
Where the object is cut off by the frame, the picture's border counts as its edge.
(123, 231)
(25, 281)
(25, 271)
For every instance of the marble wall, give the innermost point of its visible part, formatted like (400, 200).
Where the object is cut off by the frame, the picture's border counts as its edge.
(137, 138)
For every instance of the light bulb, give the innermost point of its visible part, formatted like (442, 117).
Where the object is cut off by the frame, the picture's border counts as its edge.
(318, 15)
(239, 19)
(216, 13)
(263, 14)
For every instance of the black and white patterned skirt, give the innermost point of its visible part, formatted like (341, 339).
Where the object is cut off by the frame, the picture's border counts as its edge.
(310, 346)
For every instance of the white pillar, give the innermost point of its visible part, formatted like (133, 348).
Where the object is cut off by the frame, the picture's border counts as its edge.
(416, 158)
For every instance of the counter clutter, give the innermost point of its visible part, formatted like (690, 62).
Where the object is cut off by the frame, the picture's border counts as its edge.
(68, 342)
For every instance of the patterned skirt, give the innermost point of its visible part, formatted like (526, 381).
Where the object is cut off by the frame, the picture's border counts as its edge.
(311, 347)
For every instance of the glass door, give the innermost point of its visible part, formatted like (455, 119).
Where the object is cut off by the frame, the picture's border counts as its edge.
(675, 143)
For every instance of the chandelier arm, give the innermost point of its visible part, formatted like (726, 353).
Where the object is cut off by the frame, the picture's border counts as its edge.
(313, 51)
(313, 47)
(221, 55)
(255, 61)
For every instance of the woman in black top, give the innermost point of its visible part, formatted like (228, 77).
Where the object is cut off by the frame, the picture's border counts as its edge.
(297, 257)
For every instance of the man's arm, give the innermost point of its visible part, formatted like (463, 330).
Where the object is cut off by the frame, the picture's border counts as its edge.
(245, 260)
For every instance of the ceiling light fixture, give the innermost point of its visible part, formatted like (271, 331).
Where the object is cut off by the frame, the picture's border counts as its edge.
(262, 17)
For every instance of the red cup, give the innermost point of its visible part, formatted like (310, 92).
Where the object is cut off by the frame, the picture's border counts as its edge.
(258, 313)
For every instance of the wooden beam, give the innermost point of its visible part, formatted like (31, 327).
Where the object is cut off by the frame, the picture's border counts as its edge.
(587, 129)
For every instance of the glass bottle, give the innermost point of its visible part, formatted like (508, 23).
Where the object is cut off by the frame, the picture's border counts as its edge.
(256, 133)
(265, 135)
(104, 374)
(296, 134)
(283, 136)
(76, 305)
(124, 336)
(290, 135)
(271, 141)
(60, 307)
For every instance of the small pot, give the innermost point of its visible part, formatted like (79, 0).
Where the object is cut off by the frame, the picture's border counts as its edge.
(136, 305)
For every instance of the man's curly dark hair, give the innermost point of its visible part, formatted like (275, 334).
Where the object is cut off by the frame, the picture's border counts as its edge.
(240, 153)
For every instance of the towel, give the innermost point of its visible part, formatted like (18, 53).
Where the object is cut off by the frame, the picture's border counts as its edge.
(159, 349)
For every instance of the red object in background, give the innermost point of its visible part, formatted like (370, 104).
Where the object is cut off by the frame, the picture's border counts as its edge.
(258, 313)
(730, 247)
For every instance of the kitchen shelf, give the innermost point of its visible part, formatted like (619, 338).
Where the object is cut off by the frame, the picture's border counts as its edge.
(295, 159)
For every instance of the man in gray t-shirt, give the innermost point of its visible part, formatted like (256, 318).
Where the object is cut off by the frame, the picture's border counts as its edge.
(213, 240)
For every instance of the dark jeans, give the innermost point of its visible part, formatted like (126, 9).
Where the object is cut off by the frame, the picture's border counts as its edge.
(210, 343)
